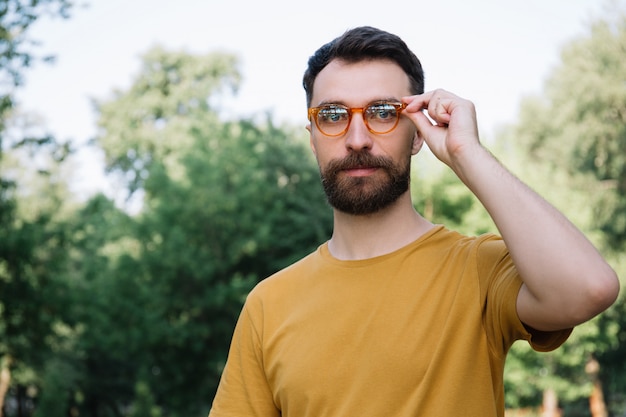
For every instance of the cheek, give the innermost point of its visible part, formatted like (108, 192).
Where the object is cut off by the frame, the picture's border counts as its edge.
(324, 149)
(317, 153)
(312, 145)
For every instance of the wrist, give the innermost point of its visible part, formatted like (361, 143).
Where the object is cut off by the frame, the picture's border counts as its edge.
(469, 160)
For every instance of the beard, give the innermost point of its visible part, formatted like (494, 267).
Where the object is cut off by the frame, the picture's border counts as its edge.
(365, 195)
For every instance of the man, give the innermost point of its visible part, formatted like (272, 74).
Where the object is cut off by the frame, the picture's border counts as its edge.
(395, 316)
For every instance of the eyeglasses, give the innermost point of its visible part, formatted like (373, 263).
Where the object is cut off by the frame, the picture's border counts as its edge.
(334, 119)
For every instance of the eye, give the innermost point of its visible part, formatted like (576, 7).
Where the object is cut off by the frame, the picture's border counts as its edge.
(333, 114)
(382, 112)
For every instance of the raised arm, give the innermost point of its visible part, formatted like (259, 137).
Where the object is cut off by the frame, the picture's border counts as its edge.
(566, 280)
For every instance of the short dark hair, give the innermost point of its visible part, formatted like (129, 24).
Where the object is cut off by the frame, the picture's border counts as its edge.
(360, 44)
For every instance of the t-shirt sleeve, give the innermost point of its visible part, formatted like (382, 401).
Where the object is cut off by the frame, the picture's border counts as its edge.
(501, 284)
(244, 390)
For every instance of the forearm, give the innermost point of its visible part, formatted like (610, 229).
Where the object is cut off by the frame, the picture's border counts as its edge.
(566, 279)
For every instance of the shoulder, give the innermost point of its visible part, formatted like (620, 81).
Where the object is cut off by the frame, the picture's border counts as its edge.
(288, 278)
(487, 245)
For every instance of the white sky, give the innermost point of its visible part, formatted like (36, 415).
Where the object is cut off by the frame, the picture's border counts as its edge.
(490, 51)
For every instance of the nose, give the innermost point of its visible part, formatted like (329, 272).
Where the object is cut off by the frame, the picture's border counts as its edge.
(358, 137)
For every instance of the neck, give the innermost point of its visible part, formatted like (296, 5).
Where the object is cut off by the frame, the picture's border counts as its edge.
(366, 236)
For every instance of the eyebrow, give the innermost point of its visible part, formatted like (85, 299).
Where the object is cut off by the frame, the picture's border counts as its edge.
(341, 103)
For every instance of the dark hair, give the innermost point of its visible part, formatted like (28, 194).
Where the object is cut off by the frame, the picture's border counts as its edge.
(360, 44)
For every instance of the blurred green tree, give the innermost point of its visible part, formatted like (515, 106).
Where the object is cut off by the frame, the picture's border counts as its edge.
(16, 46)
(573, 145)
(34, 249)
(31, 248)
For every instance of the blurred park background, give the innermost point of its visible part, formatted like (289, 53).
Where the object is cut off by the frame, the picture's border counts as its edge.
(144, 193)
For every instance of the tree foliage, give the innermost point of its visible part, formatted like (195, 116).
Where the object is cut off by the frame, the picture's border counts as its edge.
(16, 47)
(580, 121)
(153, 120)
(572, 142)
(33, 247)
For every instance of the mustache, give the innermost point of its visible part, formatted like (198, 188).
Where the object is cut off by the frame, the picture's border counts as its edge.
(358, 160)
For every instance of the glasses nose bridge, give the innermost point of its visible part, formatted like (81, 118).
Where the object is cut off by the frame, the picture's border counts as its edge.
(361, 110)
(358, 135)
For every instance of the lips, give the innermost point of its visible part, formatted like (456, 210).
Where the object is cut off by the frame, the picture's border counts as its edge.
(361, 171)
(359, 163)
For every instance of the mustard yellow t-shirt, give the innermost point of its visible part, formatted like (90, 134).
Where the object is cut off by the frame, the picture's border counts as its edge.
(422, 331)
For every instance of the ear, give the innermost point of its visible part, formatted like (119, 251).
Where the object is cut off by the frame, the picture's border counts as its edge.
(418, 141)
(311, 144)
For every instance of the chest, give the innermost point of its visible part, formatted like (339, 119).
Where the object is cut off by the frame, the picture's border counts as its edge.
(374, 337)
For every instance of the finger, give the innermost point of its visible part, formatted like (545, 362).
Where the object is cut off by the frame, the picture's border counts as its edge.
(426, 127)
(440, 106)
(439, 110)
(438, 103)
(417, 102)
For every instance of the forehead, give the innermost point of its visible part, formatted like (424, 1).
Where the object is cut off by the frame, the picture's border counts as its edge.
(360, 83)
